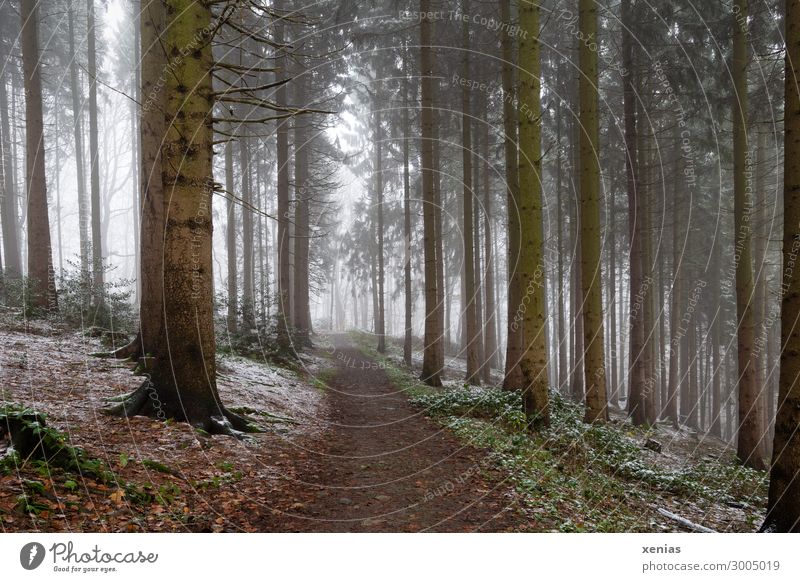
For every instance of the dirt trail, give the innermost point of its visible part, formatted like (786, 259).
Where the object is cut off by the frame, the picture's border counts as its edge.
(383, 466)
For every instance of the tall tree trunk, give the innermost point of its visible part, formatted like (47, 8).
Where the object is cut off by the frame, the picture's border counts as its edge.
(561, 289)
(182, 372)
(301, 314)
(590, 235)
(749, 447)
(468, 296)
(670, 408)
(230, 235)
(282, 152)
(248, 249)
(41, 289)
(430, 367)
(83, 202)
(514, 343)
(490, 319)
(98, 292)
(783, 507)
(636, 333)
(380, 324)
(8, 204)
(533, 362)
(407, 336)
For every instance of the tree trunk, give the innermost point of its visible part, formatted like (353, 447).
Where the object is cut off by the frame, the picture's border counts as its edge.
(430, 368)
(98, 291)
(41, 289)
(533, 363)
(749, 442)
(407, 336)
(301, 314)
(783, 507)
(514, 344)
(230, 235)
(468, 296)
(8, 204)
(83, 203)
(590, 235)
(181, 383)
(490, 319)
(380, 324)
(282, 152)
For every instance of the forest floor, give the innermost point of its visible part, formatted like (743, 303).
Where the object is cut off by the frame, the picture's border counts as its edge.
(352, 442)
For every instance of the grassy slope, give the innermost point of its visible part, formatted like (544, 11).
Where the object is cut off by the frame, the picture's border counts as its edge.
(577, 477)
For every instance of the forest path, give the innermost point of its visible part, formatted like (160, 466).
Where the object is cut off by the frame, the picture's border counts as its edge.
(383, 466)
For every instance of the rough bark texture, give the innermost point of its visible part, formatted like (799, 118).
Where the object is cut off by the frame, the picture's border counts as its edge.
(637, 294)
(181, 369)
(749, 447)
(783, 507)
(533, 363)
(513, 377)
(430, 368)
(301, 313)
(248, 242)
(41, 290)
(594, 359)
(471, 316)
(282, 152)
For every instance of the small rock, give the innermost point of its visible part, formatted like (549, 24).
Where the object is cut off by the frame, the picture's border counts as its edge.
(653, 445)
(382, 497)
(345, 501)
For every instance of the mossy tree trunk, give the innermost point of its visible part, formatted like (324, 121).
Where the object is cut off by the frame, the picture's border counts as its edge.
(181, 369)
(533, 361)
(591, 281)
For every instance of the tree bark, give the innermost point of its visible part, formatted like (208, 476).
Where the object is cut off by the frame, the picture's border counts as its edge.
(590, 235)
(8, 205)
(468, 298)
(430, 368)
(41, 288)
(282, 151)
(98, 277)
(181, 381)
(230, 236)
(301, 314)
(533, 361)
(783, 507)
(749, 446)
(380, 323)
(514, 343)
(83, 203)
(407, 336)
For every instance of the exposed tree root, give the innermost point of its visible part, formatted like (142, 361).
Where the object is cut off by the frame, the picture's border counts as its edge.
(131, 351)
(145, 401)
